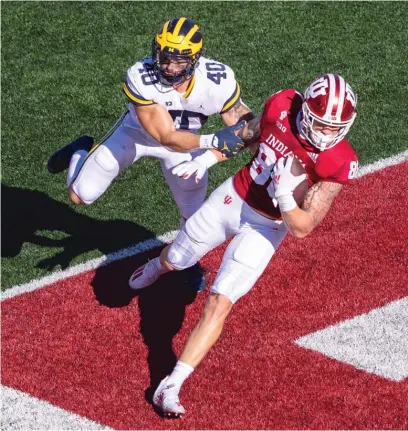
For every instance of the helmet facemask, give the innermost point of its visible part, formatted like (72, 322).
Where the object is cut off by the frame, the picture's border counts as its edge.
(161, 57)
(318, 139)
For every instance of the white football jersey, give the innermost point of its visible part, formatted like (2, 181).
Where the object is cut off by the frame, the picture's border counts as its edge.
(212, 90)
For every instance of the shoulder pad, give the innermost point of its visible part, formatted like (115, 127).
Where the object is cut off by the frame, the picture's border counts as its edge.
(338, 164)
(140, 83)
(220, 79)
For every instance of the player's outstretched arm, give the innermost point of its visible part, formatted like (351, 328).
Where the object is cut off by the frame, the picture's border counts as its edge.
(158, 123)
(318, 200)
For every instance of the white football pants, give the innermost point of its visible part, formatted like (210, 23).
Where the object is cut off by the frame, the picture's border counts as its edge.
(225, 215)
(124, 144)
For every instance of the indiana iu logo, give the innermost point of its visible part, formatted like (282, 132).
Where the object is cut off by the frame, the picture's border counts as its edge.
(227, 199)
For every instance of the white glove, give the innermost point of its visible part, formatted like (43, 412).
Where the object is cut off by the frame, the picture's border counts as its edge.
(284, 182)
(198, 166)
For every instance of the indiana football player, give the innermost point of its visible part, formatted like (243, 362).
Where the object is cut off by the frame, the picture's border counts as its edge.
(256, 208)
(171, 92)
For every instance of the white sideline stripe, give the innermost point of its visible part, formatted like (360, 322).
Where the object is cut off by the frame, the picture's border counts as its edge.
(91, 264)
(383, 163)
(156, 242)
(21, 411)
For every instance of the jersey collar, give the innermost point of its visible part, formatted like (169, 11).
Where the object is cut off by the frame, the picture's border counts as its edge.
(190, 87)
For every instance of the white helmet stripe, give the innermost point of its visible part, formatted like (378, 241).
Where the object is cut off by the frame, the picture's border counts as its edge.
(332, 92)
(342, 97)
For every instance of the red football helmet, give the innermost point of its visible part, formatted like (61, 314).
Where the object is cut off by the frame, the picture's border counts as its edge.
(328, 101)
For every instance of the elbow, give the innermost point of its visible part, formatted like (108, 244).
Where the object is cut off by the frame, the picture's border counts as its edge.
(166, 142)
(300, 233)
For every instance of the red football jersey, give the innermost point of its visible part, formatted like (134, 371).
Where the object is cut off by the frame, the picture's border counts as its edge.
(280, 137)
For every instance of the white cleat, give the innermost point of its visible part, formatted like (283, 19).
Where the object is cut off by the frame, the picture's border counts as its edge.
(166, 398)
(145, 275)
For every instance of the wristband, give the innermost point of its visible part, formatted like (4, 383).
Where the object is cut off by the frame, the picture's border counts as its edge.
(207, 159)
(206, 141)
(286, 203)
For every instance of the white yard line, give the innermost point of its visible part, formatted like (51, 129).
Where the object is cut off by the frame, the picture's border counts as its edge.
(141, 247)
(155, 242)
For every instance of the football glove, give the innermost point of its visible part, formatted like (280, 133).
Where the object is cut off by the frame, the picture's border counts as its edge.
(225, 140)
(284, 182)
(198, 166)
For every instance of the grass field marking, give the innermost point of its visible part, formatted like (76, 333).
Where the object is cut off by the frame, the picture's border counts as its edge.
(90, 264)
(21, 411)
(383, 163)
(156, 242)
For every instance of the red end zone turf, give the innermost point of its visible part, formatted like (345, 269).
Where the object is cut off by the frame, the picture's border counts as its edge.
(86, 345)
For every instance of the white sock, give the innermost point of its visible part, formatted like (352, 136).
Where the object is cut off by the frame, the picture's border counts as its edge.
(180, 373)
(75, 164)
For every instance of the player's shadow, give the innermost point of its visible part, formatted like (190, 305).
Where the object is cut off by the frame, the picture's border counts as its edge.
(31, 216)
(162, 309)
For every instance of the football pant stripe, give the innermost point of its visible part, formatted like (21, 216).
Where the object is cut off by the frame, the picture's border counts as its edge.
(109, 133)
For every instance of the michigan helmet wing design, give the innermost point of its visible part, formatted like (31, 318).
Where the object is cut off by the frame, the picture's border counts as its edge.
(179, 39)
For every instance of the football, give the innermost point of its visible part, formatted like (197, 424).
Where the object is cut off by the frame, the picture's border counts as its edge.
(300, 191)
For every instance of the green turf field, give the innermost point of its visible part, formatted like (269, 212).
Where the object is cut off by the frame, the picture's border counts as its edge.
(63, 65)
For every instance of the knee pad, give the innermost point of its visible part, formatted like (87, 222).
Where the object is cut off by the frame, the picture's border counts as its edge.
(96, 175)
(87, 192)
(185, 252)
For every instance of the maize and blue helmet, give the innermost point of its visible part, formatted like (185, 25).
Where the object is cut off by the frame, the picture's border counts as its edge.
(179, 39)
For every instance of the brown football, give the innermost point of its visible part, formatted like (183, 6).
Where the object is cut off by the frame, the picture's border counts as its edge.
(300, 191)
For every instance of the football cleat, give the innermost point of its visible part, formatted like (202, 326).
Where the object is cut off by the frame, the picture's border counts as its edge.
(145, 275)
(60, 159)
(167, 400)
